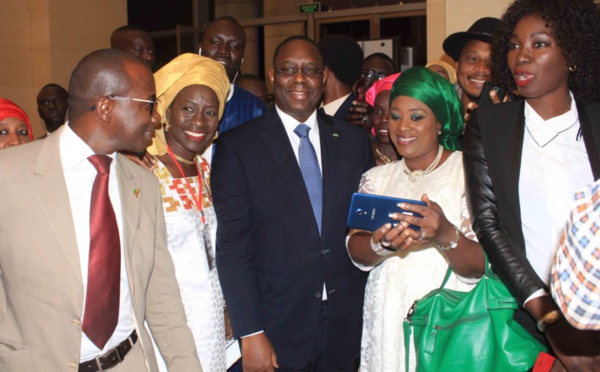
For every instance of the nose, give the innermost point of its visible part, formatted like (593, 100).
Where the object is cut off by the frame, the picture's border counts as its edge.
(14, 140)
(484, 66)
(299, 76)
(155, 119)
(51, 104)
(523, 55)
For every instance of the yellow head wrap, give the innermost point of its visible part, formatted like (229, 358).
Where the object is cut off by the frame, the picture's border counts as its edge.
(183, 71)
(451, 71)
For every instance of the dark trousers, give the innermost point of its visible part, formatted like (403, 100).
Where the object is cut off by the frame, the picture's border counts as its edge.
(323, 358)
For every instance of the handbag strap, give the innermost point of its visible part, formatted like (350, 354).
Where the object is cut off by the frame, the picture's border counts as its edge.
(407, 331)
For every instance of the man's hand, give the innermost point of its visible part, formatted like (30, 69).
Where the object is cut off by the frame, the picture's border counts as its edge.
(359, 114)
(258, 354)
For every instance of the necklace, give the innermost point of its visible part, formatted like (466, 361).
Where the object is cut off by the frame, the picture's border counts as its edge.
(381, 156)
(414, 176)
(183, 160)
(197, 198)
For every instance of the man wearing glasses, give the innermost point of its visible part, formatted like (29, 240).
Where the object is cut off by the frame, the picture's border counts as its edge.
(78, 287)
(282, 185)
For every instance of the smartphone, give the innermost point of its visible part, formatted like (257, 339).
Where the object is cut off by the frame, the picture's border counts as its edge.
(369, 212)
(484, 98)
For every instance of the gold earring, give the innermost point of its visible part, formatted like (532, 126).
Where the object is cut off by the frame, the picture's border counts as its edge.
(167, 126)
(573, 68)
(216, 135)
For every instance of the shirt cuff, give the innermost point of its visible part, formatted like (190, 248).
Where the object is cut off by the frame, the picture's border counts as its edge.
(252, 334)
(539, 293)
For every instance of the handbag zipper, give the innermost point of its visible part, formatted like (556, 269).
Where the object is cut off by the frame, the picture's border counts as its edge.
(467, 319)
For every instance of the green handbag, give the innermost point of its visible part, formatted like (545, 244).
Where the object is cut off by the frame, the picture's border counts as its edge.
(469, 331)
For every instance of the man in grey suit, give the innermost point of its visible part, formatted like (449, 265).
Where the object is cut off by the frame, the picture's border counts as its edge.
(83, 256)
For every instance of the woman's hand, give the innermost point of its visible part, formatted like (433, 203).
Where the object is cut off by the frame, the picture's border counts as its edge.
(147, 161)
(228, 329)
(434, 225)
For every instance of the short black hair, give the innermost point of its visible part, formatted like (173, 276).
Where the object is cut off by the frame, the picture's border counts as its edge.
(382, 56)
(98, 74)
(56, 86)
(293, 38)
(575, 26)
(130, 28)
(226, 19)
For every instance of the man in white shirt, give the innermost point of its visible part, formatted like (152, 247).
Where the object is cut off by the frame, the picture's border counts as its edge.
(343, 57)
(74, 296)
(282, 185)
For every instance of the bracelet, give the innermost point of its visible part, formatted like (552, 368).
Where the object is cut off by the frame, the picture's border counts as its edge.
(548, 319)
(453, 244)
(380, 249)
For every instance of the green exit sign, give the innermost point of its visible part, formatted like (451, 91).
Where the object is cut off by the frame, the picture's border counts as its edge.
(310, 8)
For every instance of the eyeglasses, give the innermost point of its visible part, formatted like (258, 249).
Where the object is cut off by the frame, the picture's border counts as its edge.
(372, 75)
(151, 104)
(292, 71)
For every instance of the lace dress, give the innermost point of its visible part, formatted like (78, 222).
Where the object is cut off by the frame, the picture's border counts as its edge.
(404, 277)
(199, 284)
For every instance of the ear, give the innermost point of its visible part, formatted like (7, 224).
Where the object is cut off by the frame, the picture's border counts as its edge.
(168, 114)
(325, 74)
(272, 76)
(439, 127)
(104, 108)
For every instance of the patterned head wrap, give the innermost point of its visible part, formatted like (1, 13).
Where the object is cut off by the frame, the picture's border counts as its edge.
(450, 71)
(183, 71)
(439, 95)
(380, 86)
(9, 109)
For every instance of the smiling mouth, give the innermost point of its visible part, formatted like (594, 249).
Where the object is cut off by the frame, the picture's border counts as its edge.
(405, 140)
(477, 81)
(195, 135)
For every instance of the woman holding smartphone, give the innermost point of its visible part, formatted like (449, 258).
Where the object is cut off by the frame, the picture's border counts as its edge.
(524, 160)
(405, 264)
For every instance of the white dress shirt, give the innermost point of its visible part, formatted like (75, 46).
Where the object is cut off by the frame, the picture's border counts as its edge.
(332, 107)
(79, 177)
(554, 166)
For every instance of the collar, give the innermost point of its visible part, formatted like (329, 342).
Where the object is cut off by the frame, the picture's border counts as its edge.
(231, 89)
(332, 107)
(544, 131)
(291, 123)
(73, 150)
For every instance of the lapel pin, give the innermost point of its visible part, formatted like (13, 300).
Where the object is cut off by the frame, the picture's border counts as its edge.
(336, 135)
(136, 193)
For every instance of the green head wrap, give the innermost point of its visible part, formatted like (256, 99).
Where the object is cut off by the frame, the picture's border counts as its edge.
(439, 95)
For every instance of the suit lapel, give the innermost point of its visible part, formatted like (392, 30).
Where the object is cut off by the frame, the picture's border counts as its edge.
(330, 151)
(131, 194)
(50, 190)
(280, 150)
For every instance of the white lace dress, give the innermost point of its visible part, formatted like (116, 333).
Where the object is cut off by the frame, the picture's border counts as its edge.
(200, 288)
(404, 277)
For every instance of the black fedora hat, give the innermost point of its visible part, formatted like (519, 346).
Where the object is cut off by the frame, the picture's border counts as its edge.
(481, 30)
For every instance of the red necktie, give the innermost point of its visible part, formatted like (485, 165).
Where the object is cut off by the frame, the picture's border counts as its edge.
(104, 269)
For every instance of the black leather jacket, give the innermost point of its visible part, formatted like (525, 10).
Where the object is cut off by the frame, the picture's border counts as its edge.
(492, 157)
(492, 149)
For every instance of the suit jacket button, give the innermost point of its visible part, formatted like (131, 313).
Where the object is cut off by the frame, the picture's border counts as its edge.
(73, 366)
(76, 322)
(318, 294)
(324, 252)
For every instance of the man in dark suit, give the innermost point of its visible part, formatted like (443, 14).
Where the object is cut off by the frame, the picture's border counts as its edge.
(343, 58)
(282, 199)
